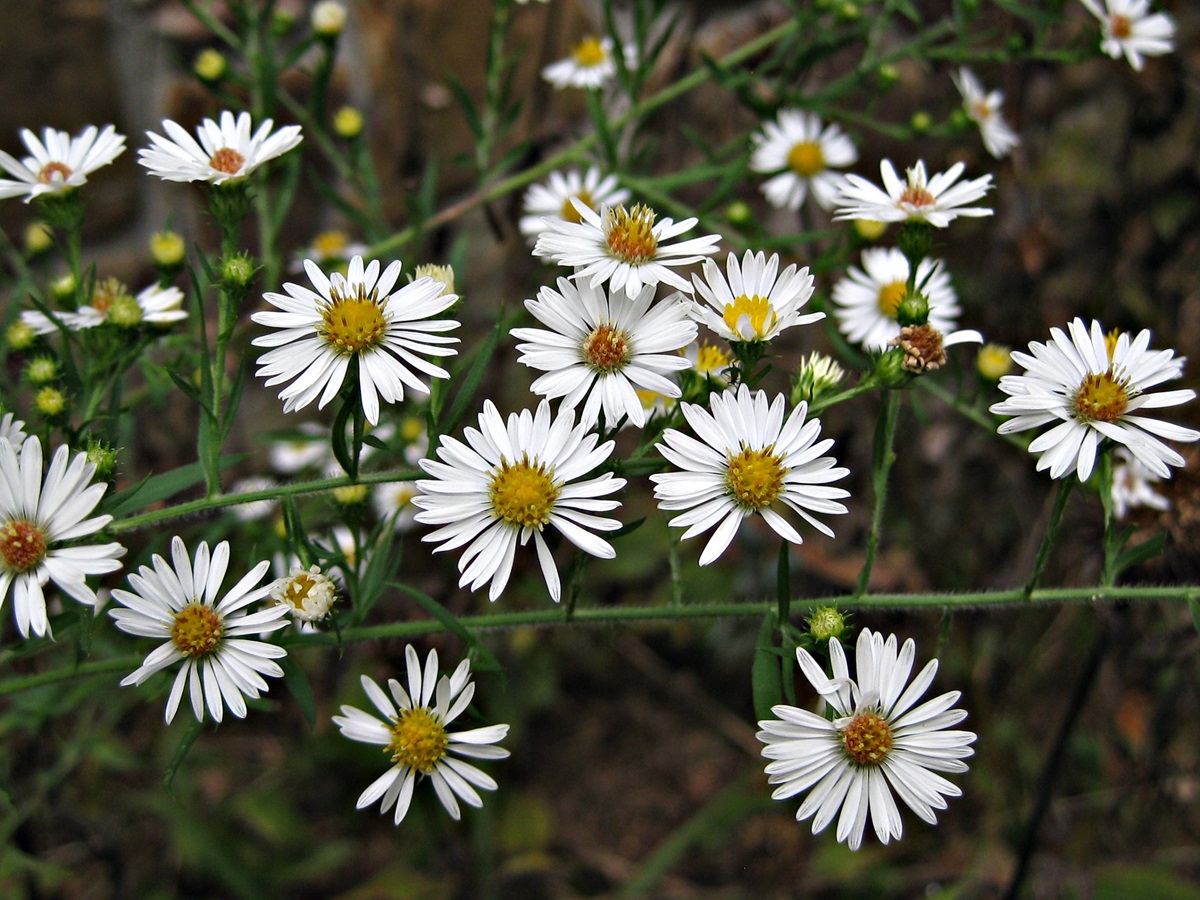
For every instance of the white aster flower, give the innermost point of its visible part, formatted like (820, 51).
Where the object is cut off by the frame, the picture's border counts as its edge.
(984, 110)
(554, 199)
(177, 602)
(392, 501)
(624, 247)
(1128, 28)
(254, 510)
(58, 163)
(331, 249)
(756, 301)
(877, 743)
(12, 429)
(328, 18)
(604, 345)
(413, 734)
(1133, 485)
(866, 300)
(937, 200)
(1091, 387)
(40, 521)
(507, 482)
(589, 66)
(709, 360)
(112, 302)
(308, 449)
(225, 153)
(800, 152)
(747, 460)
(307, 594)
(355, 319)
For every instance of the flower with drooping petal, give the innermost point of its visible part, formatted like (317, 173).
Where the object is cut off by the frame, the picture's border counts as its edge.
(866, 300)
(507, 482)
(747, 460)
(937, 200)
(879, 742)
(1091, 387)
(1129, 28)
(984, 108)
(624, 247)
(414, 735)
(113, 303)
(40, 521)
(356, 319)
(755, 301)
(555, 199)
(601, 345)
(800, 153)
(58, 163)
(217, 640)
(224, 154)
(1132, 485)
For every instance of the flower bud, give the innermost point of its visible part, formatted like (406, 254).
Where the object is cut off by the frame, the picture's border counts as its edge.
(826, 623)
(817, 376)
(20, 336)
(886, 76)
(167, 249)
(994, 361)
(50, 401)
(913, 310)
(210, 65)
(63, 287)
(442, 274)
(739, 214)
(328, 18)
(920, 122)
(125, 312)
(869, 230)
(890, 371)
(102, 456)
(347, 122)
(237, 271)
(351, 494)
(38, 238)
(41, 370)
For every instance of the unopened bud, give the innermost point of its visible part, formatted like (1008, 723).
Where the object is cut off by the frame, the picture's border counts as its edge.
(347, 122)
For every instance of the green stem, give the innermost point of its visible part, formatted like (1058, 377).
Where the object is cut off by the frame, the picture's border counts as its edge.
(881, 466)
(1056, 514)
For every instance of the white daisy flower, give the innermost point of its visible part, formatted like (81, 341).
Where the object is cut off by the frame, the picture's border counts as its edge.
(392, 502)
(937, 200)
(709, 360)
(877, 743)
(1091, 387)
(756, 301)
(589, 66)
(177, 602)
(225, 153)
(866, 300)
(604, 345)
(307, 594)
(507, 482)
(254, 510)
(554, 199)
(354, 319)
(984, 108)
(40, 521)
(800, 152)
(1133, 485)
(112, 302)
(1129, 28)
(624, 247)
(12, 429)
(413, 734)
(309, 449)
(747, 460)
(58, 163)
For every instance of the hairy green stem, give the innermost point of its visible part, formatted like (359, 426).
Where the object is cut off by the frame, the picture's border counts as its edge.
(881, 466)
(1056, 515)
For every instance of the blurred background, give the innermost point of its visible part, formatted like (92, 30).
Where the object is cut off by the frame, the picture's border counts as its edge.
(634, 766)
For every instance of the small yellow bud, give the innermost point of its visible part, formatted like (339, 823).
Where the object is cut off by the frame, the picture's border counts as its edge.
(826, 623)
(167, 248)
(351, 494)
(41, 370)
(63, 287)
(328, 18)
(869, 229)
(347, 122)
(20, 335)
(50, 401)
(442, 274)
(994, 361)
(38, 238)
(210, 65)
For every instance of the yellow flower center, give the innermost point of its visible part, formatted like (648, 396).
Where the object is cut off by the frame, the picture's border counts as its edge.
(298, 588)
(606, 349)
(890, 296)
(1110, 342)
(755, 477)
(570, 213)
(227, 160)
(197, 630)
(22, 545)
(711, 358)
(981, 111)
(1102, 398)
(523, 494)
(1122, 26)
(916, 195)
(630, 234)
(758, 312)
(806, 159)
(589, 53)
(352, 323)
(330, 243)
(418, 739)
(49, 170)
(867, 739)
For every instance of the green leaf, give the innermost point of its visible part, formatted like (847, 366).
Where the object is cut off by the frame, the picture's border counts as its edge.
(466, 394)
(765, 672)
(468, 106)
(1142, 552)
(301, 691)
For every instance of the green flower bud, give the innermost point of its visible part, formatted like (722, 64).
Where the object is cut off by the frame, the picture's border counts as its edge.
(994, 361)
(920, 122)
(50, 401)
(237, 271)
(348, 123)
(125, 312)
(167, 249)
(886, 76)
(63, 287)
(41, 370)
(913, 310)
(351, 494)
(826, 623)
(20, 336)
(890, 371)
(210, 65)
(739, 214)
(103, 457)
(817, 376)
(38, 238)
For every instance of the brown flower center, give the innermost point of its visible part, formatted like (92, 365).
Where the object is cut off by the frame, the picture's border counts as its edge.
(606, 349)
(867, 739)
(22, 545)
(1122, 27)
(922, 346)
(227, 160)
(1102, 398)
(917, 196)
(46, 175)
